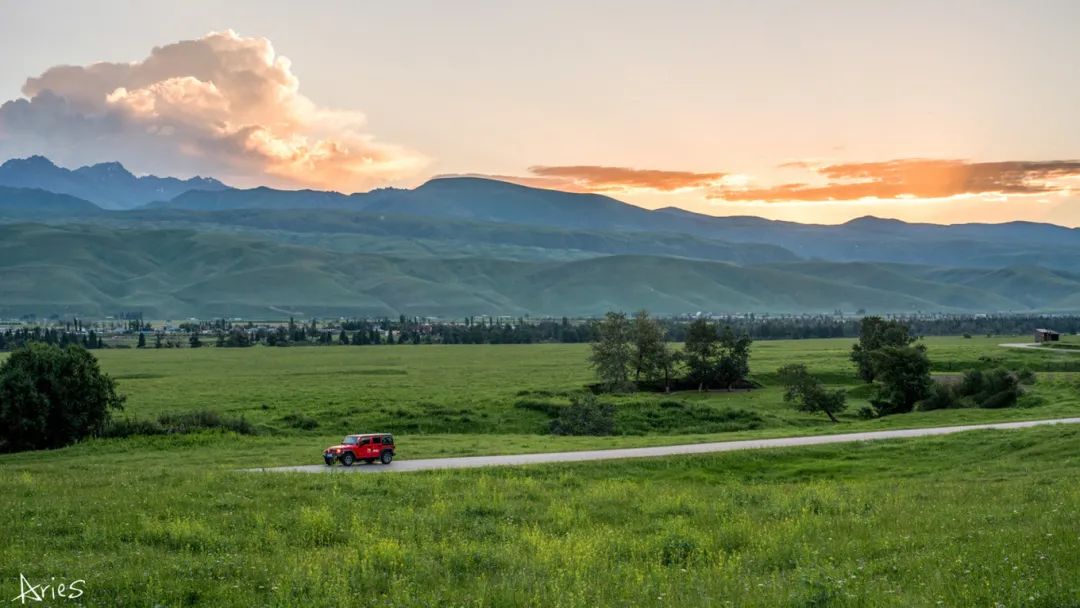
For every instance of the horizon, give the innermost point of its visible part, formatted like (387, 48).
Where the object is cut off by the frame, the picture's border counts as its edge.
(496, 179)
(643, 104)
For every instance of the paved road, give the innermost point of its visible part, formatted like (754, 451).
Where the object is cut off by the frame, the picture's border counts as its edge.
(667, 450)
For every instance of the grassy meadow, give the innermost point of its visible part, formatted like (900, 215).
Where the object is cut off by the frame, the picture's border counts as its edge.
(984, 518)
(503, 392)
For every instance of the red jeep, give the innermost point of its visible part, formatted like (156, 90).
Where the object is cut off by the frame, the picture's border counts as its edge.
(369, 448)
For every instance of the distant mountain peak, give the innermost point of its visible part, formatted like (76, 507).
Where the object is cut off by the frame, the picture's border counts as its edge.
(108, 184)
(36, 161)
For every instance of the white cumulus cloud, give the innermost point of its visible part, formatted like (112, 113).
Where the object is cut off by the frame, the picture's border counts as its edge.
(223, 105)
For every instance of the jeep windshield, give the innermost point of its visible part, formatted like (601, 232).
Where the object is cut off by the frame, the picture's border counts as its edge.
(351, 440)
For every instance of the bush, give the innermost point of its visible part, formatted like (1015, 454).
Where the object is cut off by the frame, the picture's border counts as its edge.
(585, 416)
(995, 388)
(1006, 398)
(942, 397)
(866, 412)
(51, 397)
(1025, 376)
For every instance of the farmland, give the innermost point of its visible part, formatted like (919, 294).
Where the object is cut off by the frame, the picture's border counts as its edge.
(981, 518)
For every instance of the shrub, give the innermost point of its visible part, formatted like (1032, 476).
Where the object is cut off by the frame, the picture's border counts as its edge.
(866, 412)
(585, 416)
(52, 396)
(1025, 376)
(1006, 398)
(942, 397)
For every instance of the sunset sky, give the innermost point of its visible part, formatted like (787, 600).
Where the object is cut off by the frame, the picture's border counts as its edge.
(807, 111)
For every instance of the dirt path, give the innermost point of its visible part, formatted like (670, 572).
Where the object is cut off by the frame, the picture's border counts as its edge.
(1040, 348)
(653, 452)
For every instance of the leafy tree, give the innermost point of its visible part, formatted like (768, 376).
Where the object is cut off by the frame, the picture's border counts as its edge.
(194, 340)
(733, 363)
(611, 355)
(714, 357)
(142, 340)
(807, 394)
(647, 336)
(700, 352)
(876, 333)
(668, 362)
(52, 396)
(343, 338)
(903, 377)
(157, 340)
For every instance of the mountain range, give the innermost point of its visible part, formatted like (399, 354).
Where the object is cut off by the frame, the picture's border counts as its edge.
(98, 240)
(108, 185)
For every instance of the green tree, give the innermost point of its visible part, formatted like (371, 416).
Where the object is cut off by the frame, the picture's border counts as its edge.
(702, 344)
(876, 333)
(612, 355)
(806, 393)
(649, 346)
(902, 374)
(52, 397)
(194, 340)
(733, 358)
(142, 340)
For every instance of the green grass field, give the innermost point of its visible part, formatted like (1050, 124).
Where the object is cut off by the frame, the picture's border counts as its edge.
(493, 389)
(984, 518)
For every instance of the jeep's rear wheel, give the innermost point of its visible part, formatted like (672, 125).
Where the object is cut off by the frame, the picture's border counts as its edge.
(347, 459)
(387, 457)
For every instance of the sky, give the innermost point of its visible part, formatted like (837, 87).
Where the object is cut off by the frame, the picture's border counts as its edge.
(807, 111)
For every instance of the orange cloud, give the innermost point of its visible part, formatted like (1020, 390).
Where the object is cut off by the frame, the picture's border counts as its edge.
(594, 178)
(915, 178)
(223, 104)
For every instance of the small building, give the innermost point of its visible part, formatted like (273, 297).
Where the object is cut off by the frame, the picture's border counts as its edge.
(1047, 335)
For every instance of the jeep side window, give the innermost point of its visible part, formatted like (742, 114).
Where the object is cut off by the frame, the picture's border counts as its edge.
(388, 440)
(365, 441)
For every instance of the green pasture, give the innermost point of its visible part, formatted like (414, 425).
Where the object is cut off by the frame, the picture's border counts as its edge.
(985, 518)
(502, 389)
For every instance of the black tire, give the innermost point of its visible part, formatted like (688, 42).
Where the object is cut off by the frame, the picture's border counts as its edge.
(347, 459)
(369, 460)
(387, 457)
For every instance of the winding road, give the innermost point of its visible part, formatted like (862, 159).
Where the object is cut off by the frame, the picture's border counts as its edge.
(471, 462)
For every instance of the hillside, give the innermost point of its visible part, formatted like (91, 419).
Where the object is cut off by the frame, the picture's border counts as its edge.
(96, 271)
(32, 203)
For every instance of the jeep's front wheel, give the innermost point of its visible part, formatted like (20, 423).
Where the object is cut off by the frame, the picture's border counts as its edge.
(347, 459)
(387, 457)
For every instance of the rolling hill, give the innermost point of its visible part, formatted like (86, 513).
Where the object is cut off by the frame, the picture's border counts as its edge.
(96, 271)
